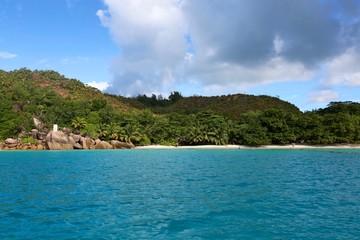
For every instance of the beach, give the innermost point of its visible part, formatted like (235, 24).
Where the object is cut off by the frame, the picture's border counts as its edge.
(288, 146)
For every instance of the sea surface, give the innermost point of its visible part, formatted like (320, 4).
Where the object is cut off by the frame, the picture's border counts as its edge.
(180, 194)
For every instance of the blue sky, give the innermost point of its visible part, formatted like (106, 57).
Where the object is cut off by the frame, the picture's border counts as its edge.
(306, 52)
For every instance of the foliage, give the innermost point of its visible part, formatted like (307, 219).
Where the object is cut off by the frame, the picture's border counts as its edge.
(230, 106)
(28, 140)
(175, 120)
(249, 130)
(78, 123)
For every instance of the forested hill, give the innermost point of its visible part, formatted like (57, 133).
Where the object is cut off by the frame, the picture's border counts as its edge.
(231, 106)
(42, 88)
(48, 97)
(52, 98)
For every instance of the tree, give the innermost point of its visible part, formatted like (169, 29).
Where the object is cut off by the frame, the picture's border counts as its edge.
(132, 133)
(207, 128)
(78, 123)
(342, 127)
(175, 96)
(249, 130)
(280, 125)
(312, 129)
(97, 104)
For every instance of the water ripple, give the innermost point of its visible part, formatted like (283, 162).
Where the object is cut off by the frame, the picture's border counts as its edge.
(180, 194)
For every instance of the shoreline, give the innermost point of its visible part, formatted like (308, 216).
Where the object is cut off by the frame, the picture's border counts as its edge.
(288, 146)
(217, 147)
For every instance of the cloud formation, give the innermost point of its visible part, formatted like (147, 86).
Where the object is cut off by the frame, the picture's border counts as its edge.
(7, 55)
(344, 70)
(151, 37)
(324, 96)
(99, 85)
(231, 46)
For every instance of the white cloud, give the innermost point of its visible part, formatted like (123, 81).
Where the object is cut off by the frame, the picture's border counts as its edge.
(155, 26)
(151, 36)
(7, 55)
(278, 44)
(169, 43)
(225, 77)
(344, 69)
(324, 96)
(99, 85)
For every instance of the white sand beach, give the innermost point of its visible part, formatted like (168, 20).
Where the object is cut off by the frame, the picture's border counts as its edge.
(289, 146)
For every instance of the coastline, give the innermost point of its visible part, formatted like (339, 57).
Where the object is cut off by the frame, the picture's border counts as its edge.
(288, 146)
(214, 147)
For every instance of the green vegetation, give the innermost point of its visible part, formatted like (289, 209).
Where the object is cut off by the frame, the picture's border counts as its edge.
(30, 140)
(176, 120)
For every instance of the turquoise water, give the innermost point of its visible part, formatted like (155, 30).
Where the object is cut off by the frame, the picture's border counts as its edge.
(180, 194)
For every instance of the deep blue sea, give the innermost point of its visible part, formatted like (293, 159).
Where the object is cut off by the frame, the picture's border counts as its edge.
(180, 194)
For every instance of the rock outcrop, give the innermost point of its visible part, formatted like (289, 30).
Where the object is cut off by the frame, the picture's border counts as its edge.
(11, 143)
(76, 137)
(41, 135)
(103, 145)
(121, 145)
(58, 141)
(38, 124)
(87, 143)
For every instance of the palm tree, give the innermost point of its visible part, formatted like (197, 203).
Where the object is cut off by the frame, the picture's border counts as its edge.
(131, 132)
(207, 128)
(78, 123)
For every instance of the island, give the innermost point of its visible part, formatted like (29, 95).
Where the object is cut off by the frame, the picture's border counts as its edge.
(31, 102)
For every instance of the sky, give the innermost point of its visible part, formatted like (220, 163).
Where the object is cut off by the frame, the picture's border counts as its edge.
(305, 52)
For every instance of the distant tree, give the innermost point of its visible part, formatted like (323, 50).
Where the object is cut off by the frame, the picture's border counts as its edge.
(249, 130)
(312, 129)
(342, 126)
(175, 96)
(281, 125)
(207, 128)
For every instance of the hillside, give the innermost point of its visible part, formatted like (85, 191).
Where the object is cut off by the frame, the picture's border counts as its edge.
(24, 85)
(34, 82)
(231, 106)
(52, 98)
(30, 99)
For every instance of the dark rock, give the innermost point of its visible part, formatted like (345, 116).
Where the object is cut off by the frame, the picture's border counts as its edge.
(41, 135)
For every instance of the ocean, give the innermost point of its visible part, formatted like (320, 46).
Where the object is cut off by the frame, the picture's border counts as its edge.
(180, 194)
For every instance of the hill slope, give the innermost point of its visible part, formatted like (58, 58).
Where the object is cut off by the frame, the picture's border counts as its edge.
(24, 84)
(51, 98)
(231, 106)
(31, 83)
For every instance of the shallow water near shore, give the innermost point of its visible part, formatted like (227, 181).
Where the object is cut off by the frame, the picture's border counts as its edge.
(180, 194)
